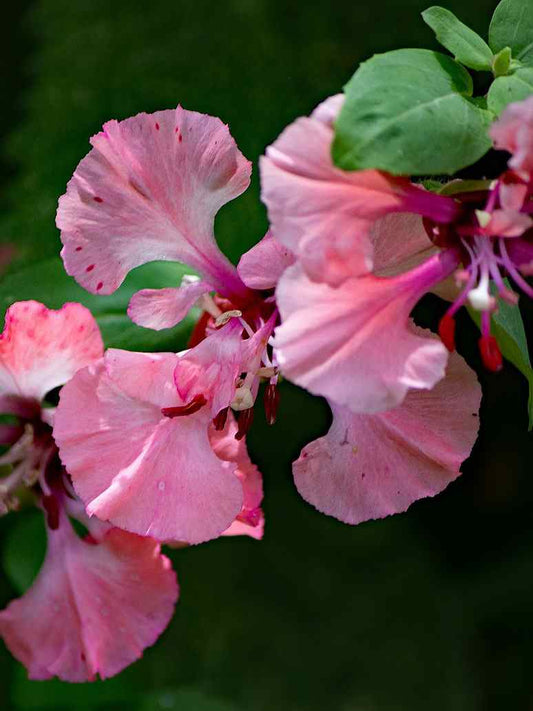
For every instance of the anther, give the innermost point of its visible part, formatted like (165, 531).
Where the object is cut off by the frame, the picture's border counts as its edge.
(244, 422)
(191, 407)
(220, 420)
(51, 507)
(271, 403)
(490, 353)
(447, 331)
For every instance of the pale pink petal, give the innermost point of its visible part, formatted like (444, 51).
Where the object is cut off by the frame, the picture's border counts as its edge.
(250, 521)
(512, 192)
(131, 465)
(507, 223)
(262, 265)
(354, 344)
(211, 368)
(93, 609)
(324, 214)
(149, 190)
(164, 308)
(371, 466)
(513, 132)
(401, 243)
(328, 110)
(41, 349)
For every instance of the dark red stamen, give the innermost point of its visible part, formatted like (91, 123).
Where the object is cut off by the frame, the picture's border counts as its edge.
(51, 507)
(447, 331)
(490, 353)
(191, 407)
(244, 422)
(220, 420)
(271, 402)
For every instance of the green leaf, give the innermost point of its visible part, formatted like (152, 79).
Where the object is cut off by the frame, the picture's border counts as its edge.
(410, 112)
(465, 44)
(505, 90)
(464, 186)
(512, 26)
(501, 64)
(48, 283)
(508, 329)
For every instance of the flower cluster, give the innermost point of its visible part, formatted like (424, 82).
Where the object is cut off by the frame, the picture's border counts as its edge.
(146, 449)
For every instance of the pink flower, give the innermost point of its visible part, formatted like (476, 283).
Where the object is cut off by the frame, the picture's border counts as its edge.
(345, 304)
(40, 349)
(139, 455)
(371, 466)
(96, 604)
(149, 190)
(94, 607)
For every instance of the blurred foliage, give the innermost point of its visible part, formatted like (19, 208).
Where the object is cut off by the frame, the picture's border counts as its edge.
(428, 610)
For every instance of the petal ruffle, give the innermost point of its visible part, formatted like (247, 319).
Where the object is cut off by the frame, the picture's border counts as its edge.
(371, 466)
(131, 465)
(149, 190)
(41, 349)
(93, 609)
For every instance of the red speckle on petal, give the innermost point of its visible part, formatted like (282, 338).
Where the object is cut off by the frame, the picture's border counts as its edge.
(78, 249)
(98, 199)
(180, 139)
(157, 127)
(99, 285)
(90, 268)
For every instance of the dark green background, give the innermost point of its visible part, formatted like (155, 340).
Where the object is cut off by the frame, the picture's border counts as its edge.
(428, 610)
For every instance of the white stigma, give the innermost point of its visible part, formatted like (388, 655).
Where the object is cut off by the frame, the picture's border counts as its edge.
(243, 399)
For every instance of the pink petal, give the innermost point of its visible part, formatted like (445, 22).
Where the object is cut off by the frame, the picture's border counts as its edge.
(399, 243)
(512, 193)
(211, 368)
(148, 190)
(131, 465)
(164, 308)
(93, 609)
(507, 223)
(371, 466)
(41, 349)
(250, 521)
(354, 344)
(323, 214)
(513, 132)
(263, 264)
